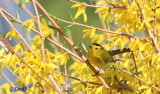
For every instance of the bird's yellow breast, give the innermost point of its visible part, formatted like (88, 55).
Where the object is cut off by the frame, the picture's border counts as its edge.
(97, 62)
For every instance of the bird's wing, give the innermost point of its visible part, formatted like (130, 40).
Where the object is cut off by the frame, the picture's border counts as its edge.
(106, 58)
(115, 52)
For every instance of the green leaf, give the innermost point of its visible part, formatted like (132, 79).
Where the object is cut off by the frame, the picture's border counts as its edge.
(116, 66)
(69, 33)
(132, 70)
(71, 17)
(17, 15)
(84, 47)
(21, 3)
(87, 71)
(13, 20)
(69, 26)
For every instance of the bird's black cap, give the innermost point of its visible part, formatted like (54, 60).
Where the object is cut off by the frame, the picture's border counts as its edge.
(96, 44)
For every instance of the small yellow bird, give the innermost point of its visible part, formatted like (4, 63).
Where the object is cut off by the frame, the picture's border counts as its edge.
(100, 57)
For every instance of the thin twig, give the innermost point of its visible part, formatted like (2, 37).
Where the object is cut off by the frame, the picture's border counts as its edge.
(2, 56)
(41, 33)
(83, 81)
(116, 6)
(7, 79)
(135, 64)
(3, 46)
(12, 73)
(84, 4)
(99, 29)
(66, 79)
(38, 84)
(124, 85)
(94, 6)
(55, 84)
(155, 25)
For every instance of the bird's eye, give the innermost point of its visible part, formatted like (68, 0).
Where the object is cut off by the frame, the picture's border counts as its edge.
(96, 48)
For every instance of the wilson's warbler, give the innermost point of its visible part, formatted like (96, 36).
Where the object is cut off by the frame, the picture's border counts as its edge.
(100, 57)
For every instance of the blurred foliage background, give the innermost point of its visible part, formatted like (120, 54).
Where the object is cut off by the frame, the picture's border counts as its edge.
(62, 9)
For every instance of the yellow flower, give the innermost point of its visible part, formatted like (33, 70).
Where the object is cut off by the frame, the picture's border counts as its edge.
(90, 33)
(45, 29)
(5, 88)
(104, 12)
(27, 1)
(29, 23)
(12, 34)
(61, 57)
(81, 10)
(37, 41)
(99, 38)
(18, 47)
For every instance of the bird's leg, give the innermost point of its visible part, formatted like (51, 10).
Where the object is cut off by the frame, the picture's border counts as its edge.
(118, 60)
(99, 71)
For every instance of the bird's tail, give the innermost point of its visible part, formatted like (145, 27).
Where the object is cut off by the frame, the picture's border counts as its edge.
(115, 52)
